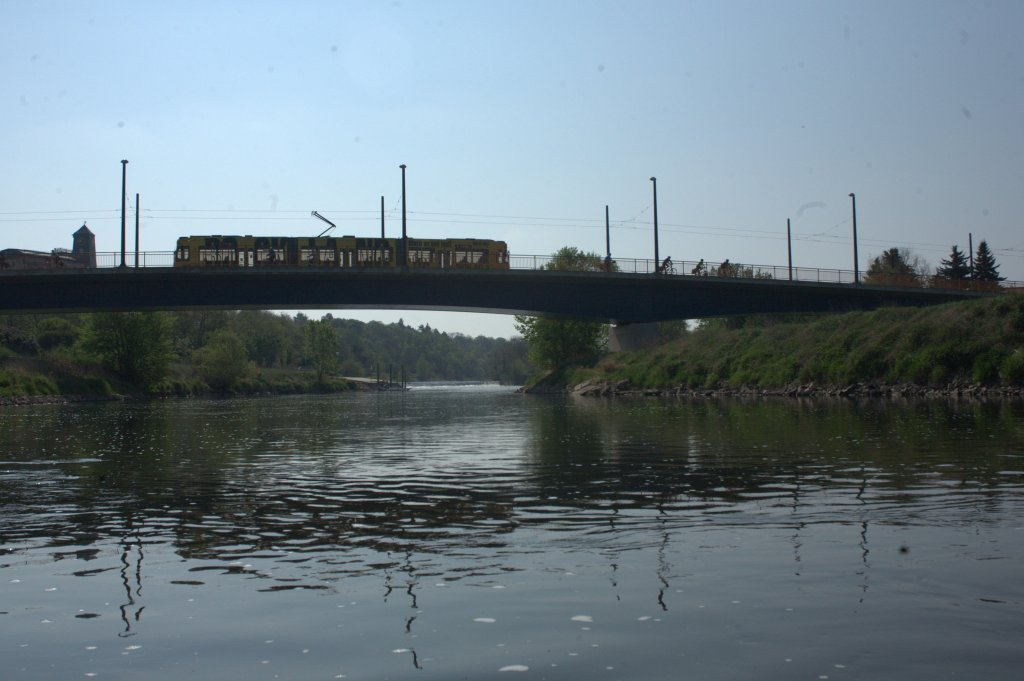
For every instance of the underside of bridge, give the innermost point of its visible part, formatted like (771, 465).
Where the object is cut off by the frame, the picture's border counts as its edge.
(615, 298)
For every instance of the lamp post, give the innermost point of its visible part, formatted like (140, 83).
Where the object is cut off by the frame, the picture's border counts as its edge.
(607, 237)
(124, 177)
(856, 267)
(136, 230)
(654, 182)
(789, 248)
(405, 253)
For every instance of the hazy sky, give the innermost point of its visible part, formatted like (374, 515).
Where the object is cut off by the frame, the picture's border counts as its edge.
(520, 121)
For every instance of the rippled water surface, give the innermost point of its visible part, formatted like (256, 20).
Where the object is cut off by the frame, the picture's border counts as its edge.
(476, 533)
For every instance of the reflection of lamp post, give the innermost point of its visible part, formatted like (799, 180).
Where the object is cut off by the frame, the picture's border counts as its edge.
(657, 261)
(856, 269)
(124, 176)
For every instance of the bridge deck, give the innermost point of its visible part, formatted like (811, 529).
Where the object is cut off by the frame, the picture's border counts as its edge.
(611, 297)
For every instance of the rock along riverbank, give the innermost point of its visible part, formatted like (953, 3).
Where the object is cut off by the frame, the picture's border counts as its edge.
(853, 390)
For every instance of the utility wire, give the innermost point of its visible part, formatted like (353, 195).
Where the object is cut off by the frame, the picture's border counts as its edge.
(522, 221)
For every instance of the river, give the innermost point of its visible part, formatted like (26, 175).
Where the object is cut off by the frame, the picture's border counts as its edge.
(474, 533)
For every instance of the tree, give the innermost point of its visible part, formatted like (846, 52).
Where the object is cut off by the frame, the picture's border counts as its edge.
(135, 345)
(191, 330)
(954, 267)
(322, 347)
(55, 332)
(985, 267)
(571, 259)
(222, 362)
(737, 271)
(896, 267)
(265, 336)
(553, 341)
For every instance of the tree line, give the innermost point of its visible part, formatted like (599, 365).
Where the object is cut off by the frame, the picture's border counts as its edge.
(225, 351)
(901, 267)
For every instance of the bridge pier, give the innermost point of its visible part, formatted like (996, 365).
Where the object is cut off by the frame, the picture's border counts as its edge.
(626, 337)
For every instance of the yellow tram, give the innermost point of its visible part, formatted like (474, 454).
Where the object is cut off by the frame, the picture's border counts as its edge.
(346, 252)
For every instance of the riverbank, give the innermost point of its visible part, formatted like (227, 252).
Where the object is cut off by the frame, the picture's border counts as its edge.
(901, 390)
(55, 379)
(973, 348)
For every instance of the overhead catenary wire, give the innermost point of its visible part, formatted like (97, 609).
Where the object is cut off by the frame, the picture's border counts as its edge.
(484, 220)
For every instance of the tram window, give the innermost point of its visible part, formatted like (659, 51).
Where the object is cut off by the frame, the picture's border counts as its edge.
(309, 255)
(421, 256)
(469, 257)
(182, 254)
(372, 255)
(216, 255)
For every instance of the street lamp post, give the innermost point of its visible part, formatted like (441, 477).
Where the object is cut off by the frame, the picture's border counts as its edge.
(789, 248)
(124, 208)
(856, 266)
(607, 237)
(657, 261)
(136, 230)
(405, 252)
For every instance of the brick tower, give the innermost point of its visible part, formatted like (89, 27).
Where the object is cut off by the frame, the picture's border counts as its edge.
(84, 246)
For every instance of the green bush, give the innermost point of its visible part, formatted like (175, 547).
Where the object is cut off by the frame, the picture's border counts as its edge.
(1011, 371)
(20, 384)
(55, 332)
(85, 385)
(18, 340)
(987, 365)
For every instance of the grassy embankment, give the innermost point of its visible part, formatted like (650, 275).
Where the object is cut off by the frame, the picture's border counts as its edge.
(974, 343)
(58, 375)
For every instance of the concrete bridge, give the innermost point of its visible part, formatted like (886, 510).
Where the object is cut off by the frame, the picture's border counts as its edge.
(617, 298)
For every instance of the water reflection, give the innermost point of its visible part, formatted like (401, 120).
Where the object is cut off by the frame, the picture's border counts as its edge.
(397, 500)
(272, 479)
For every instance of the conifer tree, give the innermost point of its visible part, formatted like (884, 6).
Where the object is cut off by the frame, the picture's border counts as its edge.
(985, 267)
(954, 267)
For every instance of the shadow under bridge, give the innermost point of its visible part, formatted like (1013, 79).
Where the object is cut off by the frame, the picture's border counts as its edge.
(608, 297)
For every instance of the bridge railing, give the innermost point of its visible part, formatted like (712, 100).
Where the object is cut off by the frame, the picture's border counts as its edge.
(689, 268)
(146, 259)
(820, 275)
(701, 268)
